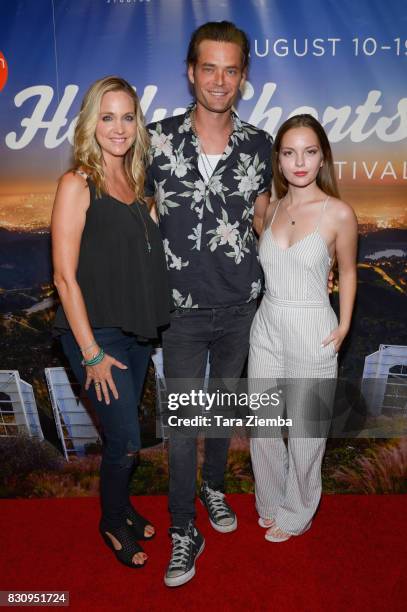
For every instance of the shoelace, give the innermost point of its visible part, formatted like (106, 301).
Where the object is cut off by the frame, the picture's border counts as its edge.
(180, 550)
(216, 502)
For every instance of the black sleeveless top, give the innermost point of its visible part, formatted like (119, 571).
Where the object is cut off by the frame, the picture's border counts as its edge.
(123, 284)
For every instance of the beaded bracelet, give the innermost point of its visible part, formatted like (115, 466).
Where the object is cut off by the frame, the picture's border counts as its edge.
(94, 360)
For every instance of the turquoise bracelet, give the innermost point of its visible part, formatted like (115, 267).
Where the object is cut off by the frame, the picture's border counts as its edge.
(95, 360)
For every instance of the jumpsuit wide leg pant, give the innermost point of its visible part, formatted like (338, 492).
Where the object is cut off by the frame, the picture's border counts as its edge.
(286, 352)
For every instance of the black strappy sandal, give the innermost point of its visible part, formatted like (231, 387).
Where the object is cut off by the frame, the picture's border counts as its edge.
(137, 524)
(129, 547)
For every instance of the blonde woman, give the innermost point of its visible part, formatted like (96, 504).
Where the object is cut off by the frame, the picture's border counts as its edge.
(295, 333)
(110, 273)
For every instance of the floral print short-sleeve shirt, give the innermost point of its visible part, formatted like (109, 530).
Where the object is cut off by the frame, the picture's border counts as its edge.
(206, 227)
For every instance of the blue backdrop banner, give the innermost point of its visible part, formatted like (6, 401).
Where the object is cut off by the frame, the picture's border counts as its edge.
(343, 62)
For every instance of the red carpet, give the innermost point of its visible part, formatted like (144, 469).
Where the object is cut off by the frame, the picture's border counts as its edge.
(354, 558)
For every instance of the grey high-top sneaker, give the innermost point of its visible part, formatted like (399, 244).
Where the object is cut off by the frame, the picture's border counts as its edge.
(187, 545)
(221, 515)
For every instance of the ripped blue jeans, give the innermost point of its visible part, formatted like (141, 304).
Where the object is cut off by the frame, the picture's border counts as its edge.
(119, 420)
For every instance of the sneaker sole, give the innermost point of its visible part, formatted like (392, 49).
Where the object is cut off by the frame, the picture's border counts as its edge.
(224, 528)
(221, 528)
(184, 578)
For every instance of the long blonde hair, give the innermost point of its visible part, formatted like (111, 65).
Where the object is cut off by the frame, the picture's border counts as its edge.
(326, 179)
(87, 152)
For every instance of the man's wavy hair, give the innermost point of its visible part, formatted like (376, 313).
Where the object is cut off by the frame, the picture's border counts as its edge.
(218, 31)
(326, 179)
(87, 152)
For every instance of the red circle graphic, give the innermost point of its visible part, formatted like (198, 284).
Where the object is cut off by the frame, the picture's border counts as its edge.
(3, 71)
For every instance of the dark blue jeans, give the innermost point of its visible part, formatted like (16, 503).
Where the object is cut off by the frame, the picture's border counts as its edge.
(224, 333)
(119, 420)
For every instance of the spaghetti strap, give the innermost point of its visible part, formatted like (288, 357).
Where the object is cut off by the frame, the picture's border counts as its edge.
(321, 215)
(274, 213)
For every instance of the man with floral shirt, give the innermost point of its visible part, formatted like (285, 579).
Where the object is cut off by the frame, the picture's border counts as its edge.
(210, 176)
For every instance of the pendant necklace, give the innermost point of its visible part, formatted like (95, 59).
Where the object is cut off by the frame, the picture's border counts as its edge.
(207, 166)
(145, 226)
(289, 216)
(130, 207)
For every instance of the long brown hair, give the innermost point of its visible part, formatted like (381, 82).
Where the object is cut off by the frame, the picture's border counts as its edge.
(326, 179)
(87, 152)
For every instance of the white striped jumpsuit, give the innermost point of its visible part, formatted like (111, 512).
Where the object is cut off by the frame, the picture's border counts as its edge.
(293, 318)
